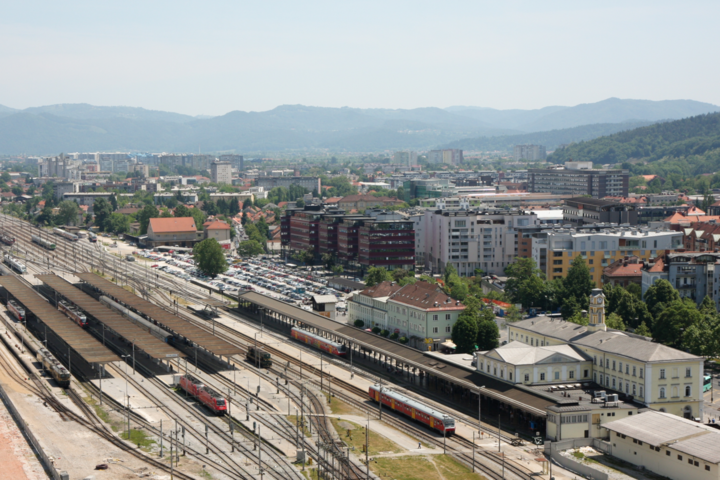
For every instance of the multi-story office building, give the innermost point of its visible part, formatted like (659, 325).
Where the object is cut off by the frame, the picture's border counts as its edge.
(407, 159)
(310, 184)
(596, 183)
(470, 240)
(695, 275)
(529, 152)
(649, 373)
(422, 312)
(450, 156)
(584, 210)
(600, 246)
(221, 172)
(374, 239)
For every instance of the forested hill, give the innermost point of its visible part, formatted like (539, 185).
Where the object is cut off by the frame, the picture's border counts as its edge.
(694, 140)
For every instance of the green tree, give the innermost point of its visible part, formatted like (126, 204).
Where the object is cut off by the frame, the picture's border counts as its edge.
(263, 227)
(635, 290)
(643, 330)
(377, 275)
(300, 203)
(459, 291)
(113, 202)
(181, 211)
(209, 257)
(615, 322)
(488, 335)
(464, 333)
(328, 259)
(250, 248)
(407, 281)
(199, 217)
(578, 283)
(144, 216)
(525, 284)
(68, 212)
(578, 318)
(570, 308)
(117, 223)
(659, 295)
(247, 203)
(5, 177)
(102, 210)
(670, 326)
(449, 272)
(512, 314)
(707, 307)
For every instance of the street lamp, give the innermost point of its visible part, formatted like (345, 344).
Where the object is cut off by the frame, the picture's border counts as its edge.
(128, 397)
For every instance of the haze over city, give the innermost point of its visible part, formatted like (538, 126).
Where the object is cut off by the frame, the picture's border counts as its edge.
(215, 57)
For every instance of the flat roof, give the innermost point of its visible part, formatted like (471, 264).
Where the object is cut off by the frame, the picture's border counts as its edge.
(182, 327)
(519, 397)
(71, 333)
(127, 329)
(661, 429)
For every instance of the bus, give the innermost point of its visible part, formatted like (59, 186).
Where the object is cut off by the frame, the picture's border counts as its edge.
(707, 383)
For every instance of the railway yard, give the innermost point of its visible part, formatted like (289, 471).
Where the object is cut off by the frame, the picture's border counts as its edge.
(158, 391)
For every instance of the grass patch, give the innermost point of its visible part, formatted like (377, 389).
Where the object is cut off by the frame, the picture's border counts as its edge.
(205, 474)
(439, 467)
(338, 407)
(578, 455)
(139, 438)
(102, 414)
(356, 439)
(293, 419)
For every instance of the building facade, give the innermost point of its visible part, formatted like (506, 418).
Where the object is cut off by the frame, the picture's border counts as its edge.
(450, 156)
(555, 252)
(180, 231)
(583, 210)
(308, 183)
(596, 183)
(529, 152)
(221, 172)
(652, 374)
(694, 275)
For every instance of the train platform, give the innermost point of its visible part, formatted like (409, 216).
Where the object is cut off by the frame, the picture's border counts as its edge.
(82, 342)
(130, 331)
(163, 317)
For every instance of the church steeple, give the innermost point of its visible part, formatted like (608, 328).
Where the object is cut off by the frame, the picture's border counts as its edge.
(596, 313)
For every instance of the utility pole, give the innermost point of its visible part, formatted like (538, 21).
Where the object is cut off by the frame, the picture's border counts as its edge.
(161, 439)
(259, 440)
(473, 454)
(498, 433)
(367, 448)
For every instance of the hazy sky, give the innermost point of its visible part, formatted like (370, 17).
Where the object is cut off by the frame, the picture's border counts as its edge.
(212, 57)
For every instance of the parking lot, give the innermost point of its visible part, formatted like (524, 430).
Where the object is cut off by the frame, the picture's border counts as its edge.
(269, 276)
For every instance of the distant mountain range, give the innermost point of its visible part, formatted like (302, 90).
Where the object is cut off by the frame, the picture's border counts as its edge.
(297, 128)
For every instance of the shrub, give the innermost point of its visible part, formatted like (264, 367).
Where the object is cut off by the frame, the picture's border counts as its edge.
(394, 336)
(359, 323)
(385, 333)
(403, 340)
(376, 330)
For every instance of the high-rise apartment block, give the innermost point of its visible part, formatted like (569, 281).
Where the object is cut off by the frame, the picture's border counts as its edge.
(221, 172)
(237, 161)
(579, 181)
(529, 152)
(450, 156)
(405, 158)
(310, 184)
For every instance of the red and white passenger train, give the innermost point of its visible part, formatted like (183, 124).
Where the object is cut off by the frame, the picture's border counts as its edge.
(207, 396)
(319, 342)
(74, 313)
(16, 310)
(413, 409)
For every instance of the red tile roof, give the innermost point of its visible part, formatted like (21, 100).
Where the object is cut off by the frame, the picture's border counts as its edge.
(658, 267)
(427, 296)
(172, 225)
(216, 225)
(384, 289)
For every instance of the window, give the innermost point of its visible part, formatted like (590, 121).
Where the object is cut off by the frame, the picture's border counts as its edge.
(459, 223)
(662, 373)
(627, 369)
(435, 318)
(662, 392)
(435, 329)
(667, 452)
(557, 262)
(634, 389)
(641, 392)
(571, 374)
(679, 457)
(641, 373)
(634, 370)
(595, 360)
(585, 373)
(687, 390)
(557, 375)
(448, 329)
(607, 363)
(542, 377)
(613, 365)
(620, 367)
(688, 372)
(527, 377)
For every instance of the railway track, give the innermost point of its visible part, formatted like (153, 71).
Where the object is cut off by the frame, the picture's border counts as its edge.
(458, 445)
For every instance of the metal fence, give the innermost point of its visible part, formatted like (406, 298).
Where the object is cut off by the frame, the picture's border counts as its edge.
(554, 448)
